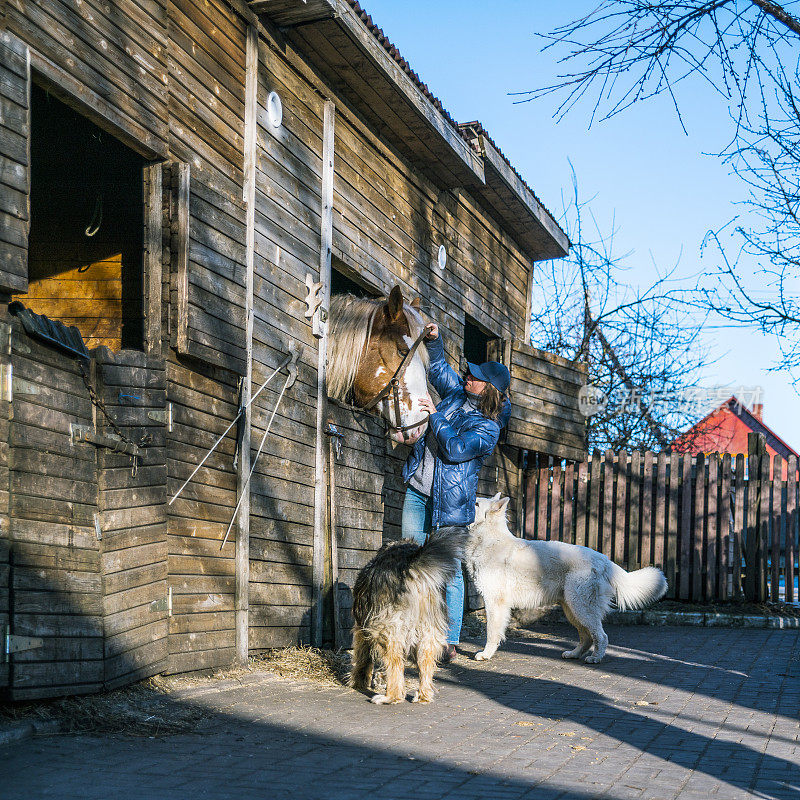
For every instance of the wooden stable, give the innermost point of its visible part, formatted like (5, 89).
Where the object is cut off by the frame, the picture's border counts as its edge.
(185, 182)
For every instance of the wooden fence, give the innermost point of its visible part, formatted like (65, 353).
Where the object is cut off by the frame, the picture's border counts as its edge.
(720, 527)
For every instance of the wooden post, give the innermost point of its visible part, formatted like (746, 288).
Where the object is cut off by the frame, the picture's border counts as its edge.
(756, 453)
(619, 522)
(634, 522)
(242, 554)
(724, 529)
(594, 500)
(530, 499)
(791, 525)
(555, 505)
(152, 258)
(712, 529)
(671, 544)
(739, 527)
(685, 569)
(320, 480)
(763, 524)
(645, 553)
(609, 474)
(543, 490)
(568, 502)
(778, 528)
(580, 505)
(661, 511)
(697, 528)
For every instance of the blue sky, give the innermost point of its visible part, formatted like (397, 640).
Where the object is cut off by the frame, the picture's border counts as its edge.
(644, 172)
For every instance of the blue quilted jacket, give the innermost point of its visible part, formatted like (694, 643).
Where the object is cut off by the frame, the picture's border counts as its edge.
(465, 438)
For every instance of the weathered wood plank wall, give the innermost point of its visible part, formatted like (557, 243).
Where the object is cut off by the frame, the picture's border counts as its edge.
(56, 587)
(133, 517)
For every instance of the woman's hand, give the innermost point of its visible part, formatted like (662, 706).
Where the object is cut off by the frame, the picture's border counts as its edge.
(431, 331)
(426, 405)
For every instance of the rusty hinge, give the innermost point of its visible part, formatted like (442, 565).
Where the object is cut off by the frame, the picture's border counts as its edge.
(164, 604)
(18, 644)
(83, 434)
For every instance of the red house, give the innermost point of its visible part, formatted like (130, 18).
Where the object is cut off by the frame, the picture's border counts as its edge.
(725, 430)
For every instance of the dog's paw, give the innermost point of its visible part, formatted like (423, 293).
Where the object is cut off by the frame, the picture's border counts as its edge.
(383, 699)
(593, 659)
(571, 653)
(421, 698)
(483, 656)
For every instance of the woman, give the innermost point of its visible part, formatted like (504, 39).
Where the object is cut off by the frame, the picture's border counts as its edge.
(441, 474)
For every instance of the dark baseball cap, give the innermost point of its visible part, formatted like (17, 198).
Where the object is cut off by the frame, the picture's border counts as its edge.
(492, 372)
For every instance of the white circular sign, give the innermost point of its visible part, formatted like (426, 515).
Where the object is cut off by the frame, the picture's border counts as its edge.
(591, 400)
(274, 110)
(442, 256)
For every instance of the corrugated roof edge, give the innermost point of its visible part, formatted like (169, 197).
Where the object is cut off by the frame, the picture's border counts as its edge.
(384, 40)
(466, 130)
(470, 129)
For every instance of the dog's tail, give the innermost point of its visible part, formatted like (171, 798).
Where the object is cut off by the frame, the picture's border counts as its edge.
(639, 588)
(437, 561)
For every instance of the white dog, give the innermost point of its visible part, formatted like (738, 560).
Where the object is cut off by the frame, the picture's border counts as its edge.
(517, 573)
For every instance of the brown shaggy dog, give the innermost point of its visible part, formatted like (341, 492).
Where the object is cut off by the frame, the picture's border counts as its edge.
(398, 607)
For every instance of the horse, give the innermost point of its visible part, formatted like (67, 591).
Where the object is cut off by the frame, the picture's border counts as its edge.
(375, 360)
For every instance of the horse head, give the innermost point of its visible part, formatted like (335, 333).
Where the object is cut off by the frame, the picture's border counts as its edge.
(375, 360)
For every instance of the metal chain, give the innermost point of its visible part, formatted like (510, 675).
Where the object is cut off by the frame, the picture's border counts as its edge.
(98, 403)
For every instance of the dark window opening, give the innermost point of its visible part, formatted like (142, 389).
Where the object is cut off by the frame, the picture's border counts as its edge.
(346, 281)
(85, 250)
(476, 343)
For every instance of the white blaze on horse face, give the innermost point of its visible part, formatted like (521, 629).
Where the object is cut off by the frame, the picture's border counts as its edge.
(415, 383)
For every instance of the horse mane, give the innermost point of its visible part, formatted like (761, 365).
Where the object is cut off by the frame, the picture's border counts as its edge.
(351, 321)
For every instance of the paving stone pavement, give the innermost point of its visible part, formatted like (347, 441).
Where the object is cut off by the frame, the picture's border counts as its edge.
(671, 712)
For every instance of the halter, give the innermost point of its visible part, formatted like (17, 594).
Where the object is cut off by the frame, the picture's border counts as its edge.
(392, 387)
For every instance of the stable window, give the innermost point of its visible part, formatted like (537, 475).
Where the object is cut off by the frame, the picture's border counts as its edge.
(87, 211)
(345, 280)
(480, 345)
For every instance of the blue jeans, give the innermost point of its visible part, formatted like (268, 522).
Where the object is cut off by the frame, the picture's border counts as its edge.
(416, 524)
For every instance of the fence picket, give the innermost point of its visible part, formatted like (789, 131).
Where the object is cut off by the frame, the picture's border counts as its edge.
(672, 526)
(697, 527)
(569, 502)
(763, 527)
(543, 492)
(694, 517)
(554, 528)
(776, 533)
(594, 500)
(621, 471)
(740, 527)
(659, 527)
(724, 528)
(581, 489)
(606, 531)
(645, 548)
(791, 525)
(531, 476)
(634, 517)
(711, 528)
(685, 568)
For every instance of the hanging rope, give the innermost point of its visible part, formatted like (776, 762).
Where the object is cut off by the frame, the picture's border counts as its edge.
(289, 378)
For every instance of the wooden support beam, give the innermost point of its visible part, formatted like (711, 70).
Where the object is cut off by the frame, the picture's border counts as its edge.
(320, 478)
(242, 556)
(152, 258)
